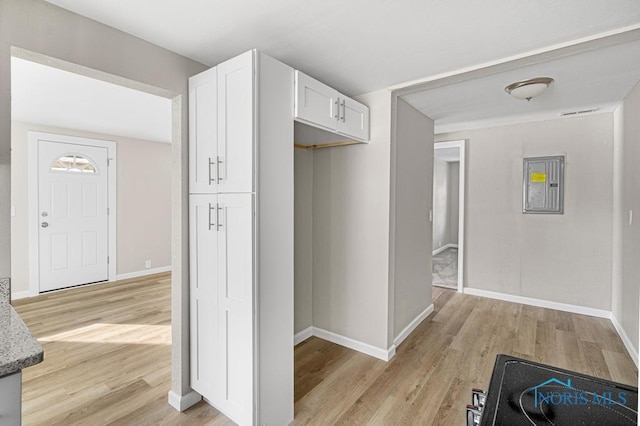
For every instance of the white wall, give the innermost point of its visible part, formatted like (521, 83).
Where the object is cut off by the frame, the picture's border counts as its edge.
(441, 203)
(303, 239)
(562, 258)
(49, 30)
(351, 232)
(5, 219)
(143, 197)
(626, 197)
(411, 231)
(454, 201)
(445, 203)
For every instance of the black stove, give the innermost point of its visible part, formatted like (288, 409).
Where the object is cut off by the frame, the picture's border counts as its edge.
(523, 392)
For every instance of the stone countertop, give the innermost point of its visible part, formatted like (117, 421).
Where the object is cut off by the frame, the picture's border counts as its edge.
(18, 348)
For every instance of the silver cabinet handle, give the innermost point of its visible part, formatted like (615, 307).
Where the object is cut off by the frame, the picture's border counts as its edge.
(218, 214)
(344, 110)
(44, 224)
(218, 174)
(211, 224)
(337, 114)
(210, 178)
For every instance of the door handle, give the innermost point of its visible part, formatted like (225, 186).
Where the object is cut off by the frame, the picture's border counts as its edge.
(210, 178)
(344, 109)
(211, 224)
(44, 224)
(218, 162)
(218, 214)
(337, 114)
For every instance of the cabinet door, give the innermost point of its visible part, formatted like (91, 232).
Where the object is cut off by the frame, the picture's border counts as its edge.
(354, 119)
(236, 124)
(10, 400)
(236, 294)
(315, 102)
(204, 326)
(203, 135)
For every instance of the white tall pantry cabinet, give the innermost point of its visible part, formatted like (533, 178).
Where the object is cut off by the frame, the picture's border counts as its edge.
(241, 238)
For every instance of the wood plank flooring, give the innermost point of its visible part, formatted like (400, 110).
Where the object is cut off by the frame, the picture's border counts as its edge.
(107, 360)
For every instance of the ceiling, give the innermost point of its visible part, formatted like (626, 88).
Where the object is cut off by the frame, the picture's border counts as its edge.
(359, 46)
(597, 79)
(50, 96)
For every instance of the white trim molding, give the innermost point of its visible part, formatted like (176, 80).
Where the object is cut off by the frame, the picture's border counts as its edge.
(633, 351)
(460, 144)
(143, 273)
(592, 312)
(412, 325)
(22, 295)
(181, 403)
(347, 342)
(443, 248)
(302, 336)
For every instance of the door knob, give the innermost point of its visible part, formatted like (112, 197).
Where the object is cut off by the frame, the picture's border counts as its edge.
(44, 224)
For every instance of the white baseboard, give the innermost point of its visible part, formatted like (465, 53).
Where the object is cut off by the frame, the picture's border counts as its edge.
(22, 295)
(302, 336)
(356, 345)
(592, 312)
(181, 403)
(412, 325)
(143, 273)
(633, 351)
(443, 248)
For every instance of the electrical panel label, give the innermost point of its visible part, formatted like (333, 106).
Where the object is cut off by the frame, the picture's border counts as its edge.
(538, 177)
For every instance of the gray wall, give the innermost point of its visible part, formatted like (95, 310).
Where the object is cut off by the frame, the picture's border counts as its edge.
(49, 30)
(441, 203)
(411, 196)
(351, 232)
(445, 203)
(5, 219)
(454, 201)
(303, 239)
(143, 183)
(562, 258)
(626, 196)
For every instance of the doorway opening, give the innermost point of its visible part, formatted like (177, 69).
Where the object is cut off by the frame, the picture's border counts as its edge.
(57, 102)
(448, 214)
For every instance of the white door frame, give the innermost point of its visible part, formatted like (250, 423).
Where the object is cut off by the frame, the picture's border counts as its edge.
(460, 144)
(32, 207)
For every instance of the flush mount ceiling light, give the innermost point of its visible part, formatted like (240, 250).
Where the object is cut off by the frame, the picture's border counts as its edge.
(528, 89)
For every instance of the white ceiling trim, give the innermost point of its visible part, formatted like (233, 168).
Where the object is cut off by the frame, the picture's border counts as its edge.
(597, 41)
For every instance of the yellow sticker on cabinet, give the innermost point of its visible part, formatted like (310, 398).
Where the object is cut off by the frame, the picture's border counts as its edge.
(538, 177)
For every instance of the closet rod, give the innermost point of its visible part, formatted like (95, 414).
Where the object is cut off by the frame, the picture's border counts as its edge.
(326, 145)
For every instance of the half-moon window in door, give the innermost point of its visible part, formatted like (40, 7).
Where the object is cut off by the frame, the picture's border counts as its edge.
(73, 163)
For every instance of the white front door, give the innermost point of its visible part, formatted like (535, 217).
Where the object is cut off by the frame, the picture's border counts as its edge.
(72, 214)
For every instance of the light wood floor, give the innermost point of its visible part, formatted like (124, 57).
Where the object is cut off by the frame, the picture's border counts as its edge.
(107, 360)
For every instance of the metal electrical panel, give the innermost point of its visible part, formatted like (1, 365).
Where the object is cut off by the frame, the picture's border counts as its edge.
(543, 187)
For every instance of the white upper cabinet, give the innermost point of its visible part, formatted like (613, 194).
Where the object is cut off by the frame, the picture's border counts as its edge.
(221, 128)
(322, 106)
(203, 137)
(235, 124)
(353, 119)
(315, 103)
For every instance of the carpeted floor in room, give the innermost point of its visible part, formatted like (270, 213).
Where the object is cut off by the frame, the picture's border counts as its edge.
(445, 268)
